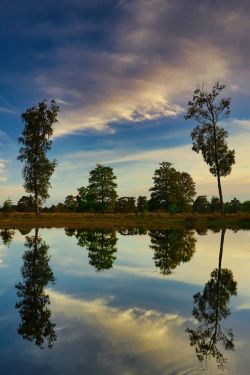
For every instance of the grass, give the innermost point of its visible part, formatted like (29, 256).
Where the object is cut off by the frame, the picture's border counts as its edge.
(119, 221)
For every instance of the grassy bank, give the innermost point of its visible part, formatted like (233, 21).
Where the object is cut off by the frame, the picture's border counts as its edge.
(118, 221)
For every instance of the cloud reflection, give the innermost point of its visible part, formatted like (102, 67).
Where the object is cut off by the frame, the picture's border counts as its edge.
(130, 337)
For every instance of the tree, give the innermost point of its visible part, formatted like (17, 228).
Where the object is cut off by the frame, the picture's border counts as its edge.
(215, 204)
(8, 206)
(102, 188)
(234, 205)
(142, 203)
(201, 204)
(70, 203)
(173, 191)
(101, 246)
(245, 206)
(208, 110)
(211, 306)
(35, 143)
(25, 204)
(33, 302)
(125, 205)
(84, 202)
(171, 247)
(7, 235)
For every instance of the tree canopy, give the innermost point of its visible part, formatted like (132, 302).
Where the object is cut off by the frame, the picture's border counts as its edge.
(35, 143)
(173, 191)
(33, 302)
(208, 138)
(102, 188)
(171, 247)
(210, 307)
(101, 246)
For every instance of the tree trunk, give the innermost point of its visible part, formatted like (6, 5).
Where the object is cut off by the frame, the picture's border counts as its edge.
(220, 194)
(37, 204)
(218, 169)
(223, 231)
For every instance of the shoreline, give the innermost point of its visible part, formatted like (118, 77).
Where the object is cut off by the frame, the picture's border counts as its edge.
(119, 221)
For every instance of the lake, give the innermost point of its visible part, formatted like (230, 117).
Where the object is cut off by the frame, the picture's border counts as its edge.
(124, 303)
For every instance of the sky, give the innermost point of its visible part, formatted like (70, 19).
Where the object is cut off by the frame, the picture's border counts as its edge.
(122, 72)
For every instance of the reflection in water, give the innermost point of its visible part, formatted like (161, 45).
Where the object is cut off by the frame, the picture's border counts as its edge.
(210, 308)
(33, 303)
(101, 246)
(132, 231)
(171, 247)
(7, 236)
(24, 231)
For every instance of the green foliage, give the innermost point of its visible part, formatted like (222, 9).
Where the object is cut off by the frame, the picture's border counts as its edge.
(101, 246)
(208, 138)
(245, 206)
(7, 235)
(8, 206)
(215, 204)
(201, 204)
(102, 188)
(234, 206)
(33, 303)
(173, 191)
(210, 307)
(125, 204)
(70, 203)
(26, 204)
(84, 201)
(59, 207)
(35, 143)
(142, 203)
(171, 247)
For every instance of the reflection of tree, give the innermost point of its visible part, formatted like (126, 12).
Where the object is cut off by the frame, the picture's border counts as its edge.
(101, 246)
(171, 247)
(24, 231)
(33, 304)
(69, 232)
(132, 231)
(7, 236)
(210, 308)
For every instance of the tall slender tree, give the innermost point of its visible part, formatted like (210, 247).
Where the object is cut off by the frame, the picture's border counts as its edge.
(33, 301)
(210, 307)
(207, 109)
(35, 143)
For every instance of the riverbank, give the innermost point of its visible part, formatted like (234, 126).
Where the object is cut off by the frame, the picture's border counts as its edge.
(119, 221)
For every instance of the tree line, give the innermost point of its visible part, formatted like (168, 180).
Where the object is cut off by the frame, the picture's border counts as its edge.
(172, 191)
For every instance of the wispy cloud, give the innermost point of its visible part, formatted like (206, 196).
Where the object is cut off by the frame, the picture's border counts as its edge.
(135, 169)
(6, 110)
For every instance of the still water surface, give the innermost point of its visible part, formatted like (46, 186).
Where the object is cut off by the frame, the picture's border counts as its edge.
(124, 303)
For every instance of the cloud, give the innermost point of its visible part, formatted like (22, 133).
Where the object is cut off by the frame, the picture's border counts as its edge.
(6, 110)
(117, 95)
(145, 68)
(135, 169)
(119, 61)
(145, 335)
(3, 164)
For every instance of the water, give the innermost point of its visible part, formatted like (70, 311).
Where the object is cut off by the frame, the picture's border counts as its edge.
(128, 303)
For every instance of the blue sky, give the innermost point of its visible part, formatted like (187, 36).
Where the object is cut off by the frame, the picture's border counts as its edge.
(122, 72)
